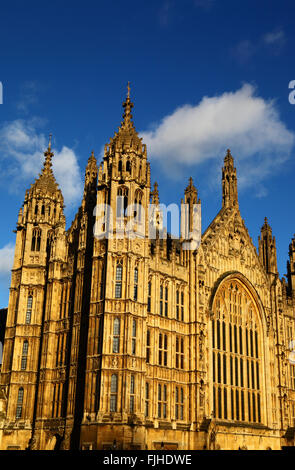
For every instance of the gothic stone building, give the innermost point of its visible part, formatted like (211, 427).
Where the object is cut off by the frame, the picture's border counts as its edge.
(137, 343)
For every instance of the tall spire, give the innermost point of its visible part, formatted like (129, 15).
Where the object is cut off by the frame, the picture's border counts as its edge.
(291, 267)
(127, 105)
(46, 180)
(48, 157)
(267, 248)
(229, 182)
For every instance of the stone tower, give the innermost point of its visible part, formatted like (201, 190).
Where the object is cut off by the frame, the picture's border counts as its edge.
(40, 221)
(119, 311)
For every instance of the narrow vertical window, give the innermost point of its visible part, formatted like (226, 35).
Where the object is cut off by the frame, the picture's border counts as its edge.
(114, 393)
(159, 401)
(133, 341)
(166, 301)
(119, 277)
(177, 355)
(179, 403)
(38, 240)
(19, 405)
(122, 202)
(165, 398)
(132, 393)
(135, 292)
(149, 297)
(182, 306)
(162, 401)
(138, 206)
(24, 355)
(163, 349)
(29, 309)
(160, 348)
(161, 300)
(177, 304)
(147, 399)
(116, 335)
(148, 346)
(102, 283)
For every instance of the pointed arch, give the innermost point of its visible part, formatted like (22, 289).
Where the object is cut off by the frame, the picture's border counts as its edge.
(122, 201)
(237, 357)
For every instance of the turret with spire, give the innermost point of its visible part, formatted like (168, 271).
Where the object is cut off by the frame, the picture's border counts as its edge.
(291, 267)
(40, 250)
(267, 249)
(229, 182)
(125, 173)
(44, 200)
(125, 156)
(191, 199)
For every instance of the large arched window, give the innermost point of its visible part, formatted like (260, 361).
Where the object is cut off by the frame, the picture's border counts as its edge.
(236, 355)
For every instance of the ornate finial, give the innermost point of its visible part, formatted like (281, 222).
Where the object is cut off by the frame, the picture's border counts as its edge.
(92, 157)
(127, 105)
(228, 155)
(190, 187)
(49, 143)
(266, 225)
(48, 154)
(228, 159)
(155, 194)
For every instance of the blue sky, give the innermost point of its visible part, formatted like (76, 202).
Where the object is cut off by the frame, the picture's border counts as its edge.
(205, 75)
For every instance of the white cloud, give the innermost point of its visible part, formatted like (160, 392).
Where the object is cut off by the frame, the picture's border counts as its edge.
(68, 175)
(21, 154)
(241, 120)
(272, 43)
(275, 37)
(6, 259)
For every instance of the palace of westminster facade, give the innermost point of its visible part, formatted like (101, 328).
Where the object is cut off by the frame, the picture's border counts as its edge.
(133, 343)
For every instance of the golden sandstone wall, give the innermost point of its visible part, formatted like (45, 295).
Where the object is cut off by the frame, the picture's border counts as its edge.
(137, 343)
